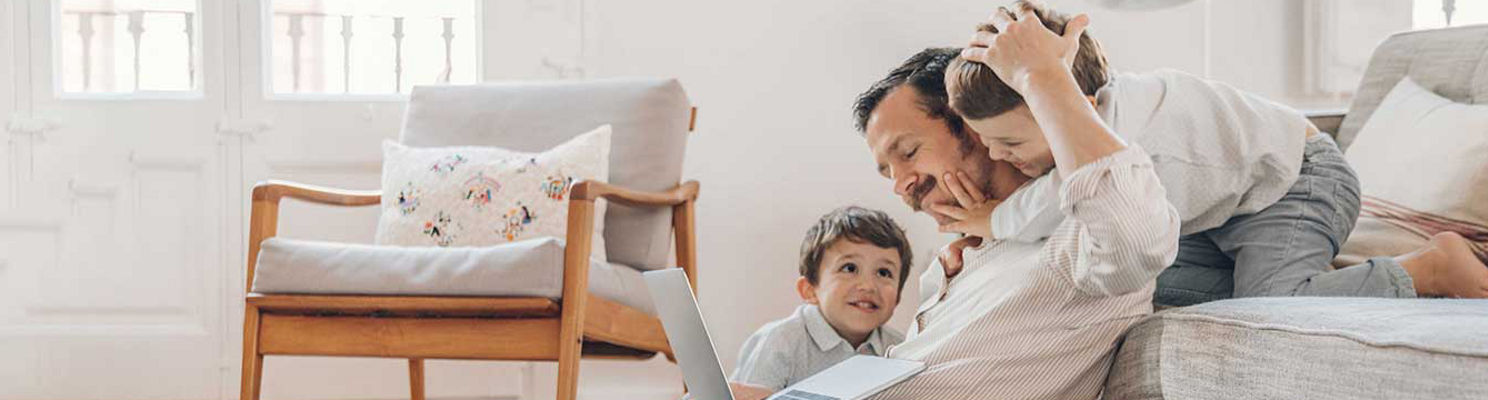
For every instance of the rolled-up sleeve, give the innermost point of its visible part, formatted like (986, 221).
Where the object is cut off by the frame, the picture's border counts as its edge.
(1121, 230)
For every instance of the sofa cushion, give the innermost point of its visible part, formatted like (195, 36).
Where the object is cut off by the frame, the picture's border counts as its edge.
(1307, 348)
(529, 268)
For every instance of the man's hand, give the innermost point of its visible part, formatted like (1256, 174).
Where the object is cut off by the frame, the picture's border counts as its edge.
(950, 255)
(744, 391)
(1023, 47)
(973, 212)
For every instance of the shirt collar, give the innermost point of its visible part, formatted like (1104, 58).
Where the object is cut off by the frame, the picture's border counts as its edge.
(827, 338)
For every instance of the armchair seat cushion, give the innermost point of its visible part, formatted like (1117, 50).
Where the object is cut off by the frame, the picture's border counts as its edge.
(1307, 348)
(528, 268)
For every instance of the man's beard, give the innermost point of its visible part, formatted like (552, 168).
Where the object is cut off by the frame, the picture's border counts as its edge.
(918, 193)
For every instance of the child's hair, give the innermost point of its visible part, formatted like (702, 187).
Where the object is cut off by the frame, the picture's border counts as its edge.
(976, 92)
(859, 225)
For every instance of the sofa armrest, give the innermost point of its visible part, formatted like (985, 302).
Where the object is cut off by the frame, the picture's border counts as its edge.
(1327, 120)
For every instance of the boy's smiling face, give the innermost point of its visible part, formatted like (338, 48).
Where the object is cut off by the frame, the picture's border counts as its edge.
(1015, 137)
(857, 287)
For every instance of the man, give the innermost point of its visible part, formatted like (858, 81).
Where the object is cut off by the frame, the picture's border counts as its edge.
(1022, 320)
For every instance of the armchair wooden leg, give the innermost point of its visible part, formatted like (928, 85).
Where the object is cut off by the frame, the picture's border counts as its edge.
(569, 352)
(252, 360)
(416, 378)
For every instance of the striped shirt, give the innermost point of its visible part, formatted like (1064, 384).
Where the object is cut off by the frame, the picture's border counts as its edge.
(1040, 320)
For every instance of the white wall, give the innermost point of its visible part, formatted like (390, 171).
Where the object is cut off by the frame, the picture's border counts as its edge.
(774, 150)
(775, 147)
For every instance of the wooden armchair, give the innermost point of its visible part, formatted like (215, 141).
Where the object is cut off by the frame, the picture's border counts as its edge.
(476, 328)
(579, 323)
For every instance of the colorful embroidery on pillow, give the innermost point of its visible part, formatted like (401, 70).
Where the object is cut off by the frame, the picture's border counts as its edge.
(439, 229)
(475, 196)
(447, 164)
(556, 186)
(480, 189)
(517, 219)
(408, 199)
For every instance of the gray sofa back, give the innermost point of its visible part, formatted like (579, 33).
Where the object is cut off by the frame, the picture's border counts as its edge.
(1452, 62)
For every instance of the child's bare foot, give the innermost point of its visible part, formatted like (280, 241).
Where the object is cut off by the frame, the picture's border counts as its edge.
(1447, 268)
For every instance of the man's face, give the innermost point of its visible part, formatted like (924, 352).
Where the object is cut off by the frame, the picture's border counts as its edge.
(1015, 137)
(917, 151)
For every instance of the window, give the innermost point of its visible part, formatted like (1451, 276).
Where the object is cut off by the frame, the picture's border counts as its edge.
(127, 46)
(1434, 13)
(370, 46)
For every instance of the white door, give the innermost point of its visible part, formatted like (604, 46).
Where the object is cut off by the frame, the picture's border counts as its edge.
(134, 130)
(111, 237)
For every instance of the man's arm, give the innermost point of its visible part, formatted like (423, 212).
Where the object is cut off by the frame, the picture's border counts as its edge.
(1125, 233)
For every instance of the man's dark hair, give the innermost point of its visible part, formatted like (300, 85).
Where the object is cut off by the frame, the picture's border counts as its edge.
(925, 73)
(859, 225)
(977, 92)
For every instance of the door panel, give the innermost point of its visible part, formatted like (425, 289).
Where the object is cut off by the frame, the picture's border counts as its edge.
(112, 238)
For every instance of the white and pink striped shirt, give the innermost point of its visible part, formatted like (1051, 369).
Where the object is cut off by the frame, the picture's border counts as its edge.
(1041, 320)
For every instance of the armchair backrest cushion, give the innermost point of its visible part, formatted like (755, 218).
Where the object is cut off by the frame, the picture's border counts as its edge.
(1451, 62)
(649, 118)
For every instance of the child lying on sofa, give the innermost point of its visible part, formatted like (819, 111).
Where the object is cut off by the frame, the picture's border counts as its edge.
(1261, 192)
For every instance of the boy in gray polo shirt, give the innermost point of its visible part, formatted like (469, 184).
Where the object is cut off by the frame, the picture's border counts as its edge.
(854, 262)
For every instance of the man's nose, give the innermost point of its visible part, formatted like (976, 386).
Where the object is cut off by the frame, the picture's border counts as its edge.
(904, 184)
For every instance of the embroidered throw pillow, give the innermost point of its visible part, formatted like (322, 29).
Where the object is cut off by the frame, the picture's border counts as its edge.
(482, 196)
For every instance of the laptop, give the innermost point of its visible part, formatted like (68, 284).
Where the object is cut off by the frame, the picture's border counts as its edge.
(855, 378)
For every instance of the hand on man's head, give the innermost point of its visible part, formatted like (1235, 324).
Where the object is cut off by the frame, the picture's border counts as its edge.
(1021, 46)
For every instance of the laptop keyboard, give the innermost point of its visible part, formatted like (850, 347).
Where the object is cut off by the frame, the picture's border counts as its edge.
(803, 395)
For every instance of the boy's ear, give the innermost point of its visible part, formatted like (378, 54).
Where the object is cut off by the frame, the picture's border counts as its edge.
(1092, 101)
(806, 290)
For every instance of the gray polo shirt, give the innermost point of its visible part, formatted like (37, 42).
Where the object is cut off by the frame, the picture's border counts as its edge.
(784, 352)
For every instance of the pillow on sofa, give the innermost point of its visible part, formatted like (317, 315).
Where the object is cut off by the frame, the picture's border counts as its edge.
(482, 196)
(1421, 165)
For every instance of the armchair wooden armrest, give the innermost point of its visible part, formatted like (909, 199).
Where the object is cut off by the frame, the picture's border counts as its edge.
(591, 190)
(680, 200)
(264, 220)
(275, 190)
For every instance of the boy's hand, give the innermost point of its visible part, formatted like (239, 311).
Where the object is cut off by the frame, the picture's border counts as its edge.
(1023, 47)
(950, 255)
(973, 212)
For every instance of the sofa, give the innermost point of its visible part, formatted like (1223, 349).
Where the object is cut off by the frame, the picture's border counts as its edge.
(1329, 348)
